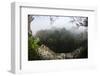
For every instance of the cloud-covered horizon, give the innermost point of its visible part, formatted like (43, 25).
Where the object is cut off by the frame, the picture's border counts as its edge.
(43, 23)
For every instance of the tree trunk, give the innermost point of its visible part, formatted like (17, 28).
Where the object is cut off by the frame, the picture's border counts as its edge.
(30, 19)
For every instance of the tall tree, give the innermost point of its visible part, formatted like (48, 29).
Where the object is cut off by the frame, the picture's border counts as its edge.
(30, 19)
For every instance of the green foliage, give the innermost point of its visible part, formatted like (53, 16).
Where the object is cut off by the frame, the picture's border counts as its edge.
(33, 44)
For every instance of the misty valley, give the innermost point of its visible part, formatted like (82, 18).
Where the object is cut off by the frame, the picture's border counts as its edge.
(57, 37)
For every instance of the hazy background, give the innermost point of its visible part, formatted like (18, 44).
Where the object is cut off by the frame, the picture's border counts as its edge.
(43, 22)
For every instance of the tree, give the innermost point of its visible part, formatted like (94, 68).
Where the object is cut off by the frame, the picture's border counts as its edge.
(80, 21)
(53, 19)
(30, 19)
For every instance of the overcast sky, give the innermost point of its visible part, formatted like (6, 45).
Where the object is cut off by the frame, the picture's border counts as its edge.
(43, 22)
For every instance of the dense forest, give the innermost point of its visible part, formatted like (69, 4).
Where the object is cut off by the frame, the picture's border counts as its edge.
(58, 43)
